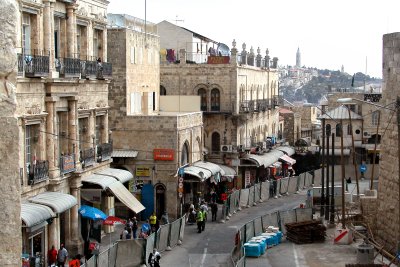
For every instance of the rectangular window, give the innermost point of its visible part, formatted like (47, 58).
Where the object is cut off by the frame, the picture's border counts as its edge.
(140, 55)
(151, 101)
(375, 118)
(136, 103)
(26, 34)
(28, 143)
(149, 57)
(97, 43)
(83, 133)
(99, 129)
(133, 56)
(57, 30)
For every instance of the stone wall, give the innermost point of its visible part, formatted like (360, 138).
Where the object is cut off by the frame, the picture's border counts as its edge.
(10, 231)
(388, 193)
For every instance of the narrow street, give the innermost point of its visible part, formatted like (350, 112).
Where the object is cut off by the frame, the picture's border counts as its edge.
(213, 246)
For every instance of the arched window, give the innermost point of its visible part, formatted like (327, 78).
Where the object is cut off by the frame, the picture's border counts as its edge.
(203, 99)
(185, 154)
(163, 91)
(215, 143)
(338, 130)
(215, 99)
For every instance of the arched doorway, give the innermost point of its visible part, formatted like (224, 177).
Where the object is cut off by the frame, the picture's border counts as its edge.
(160, 200)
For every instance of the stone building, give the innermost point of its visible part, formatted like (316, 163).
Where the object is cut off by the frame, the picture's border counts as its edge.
(388, 211)
(62, 110)
(292, 122)
(10, 189)
(239, 95)
(151, 138)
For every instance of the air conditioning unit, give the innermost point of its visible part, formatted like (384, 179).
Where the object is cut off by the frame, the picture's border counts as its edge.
(240, 148)
(226, 148)
(367, 135)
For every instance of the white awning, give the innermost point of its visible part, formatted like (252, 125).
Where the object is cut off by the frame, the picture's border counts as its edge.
(288, 159)
(102, 180)
(337, 152)
(265, 159)
(198, 172)
(121, 175)
(229, 172)
(212, 167)
(126, 197)
(276, 165)
(122, 153)
(288, 150)
(34, 214)
(59, 202)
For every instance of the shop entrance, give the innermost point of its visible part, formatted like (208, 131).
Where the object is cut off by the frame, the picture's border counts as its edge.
(160, 200)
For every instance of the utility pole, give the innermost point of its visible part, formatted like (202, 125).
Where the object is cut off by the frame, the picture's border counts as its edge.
(342, 165)
(354, 152)
(322, 211)
(332, 217)
(398, 164)
(328, 132)
(374, 157)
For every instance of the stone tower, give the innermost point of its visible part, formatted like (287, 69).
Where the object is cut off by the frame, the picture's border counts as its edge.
(298, 58)
(388, 217)
(10, 231)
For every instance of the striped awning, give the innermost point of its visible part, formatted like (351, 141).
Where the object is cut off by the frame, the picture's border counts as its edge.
(121, 175)
(198, 172)
(59, 202)
(288, 159)
(265, 159)
(34, 214)
(212, 167)
(103, 180)
(122, 153)
(288, 150)
(229, 172)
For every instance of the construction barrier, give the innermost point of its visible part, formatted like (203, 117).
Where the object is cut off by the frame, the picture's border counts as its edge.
(249, 230)
(284, 186)
(278, 187)
(251, 196)
(303, 215)
(244, 197)
(130, 252)
(301, 183)
(292, 187)
(270, 219)
(257, 192)
(288, 216)
(258, 225)
(264, 190)
(162, 237)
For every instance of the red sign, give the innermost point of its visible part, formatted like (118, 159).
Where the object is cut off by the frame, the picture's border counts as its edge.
(218, 60)
(163, 154)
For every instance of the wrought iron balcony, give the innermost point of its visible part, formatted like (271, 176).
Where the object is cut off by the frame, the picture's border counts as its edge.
(36, 66)
(104, 152)
(67, 164)
(38, 172)
(96, 70)
(247, 106)
(69, 67)
(20, 65)
(277, 101)
(372, 97)
(88, 157)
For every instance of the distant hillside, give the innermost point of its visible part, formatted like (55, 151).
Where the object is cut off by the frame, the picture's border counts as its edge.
(327, 81)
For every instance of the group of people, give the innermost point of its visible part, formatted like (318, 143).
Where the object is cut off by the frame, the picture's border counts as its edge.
(60, 257)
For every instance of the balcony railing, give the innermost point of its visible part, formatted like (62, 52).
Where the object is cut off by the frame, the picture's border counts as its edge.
(277, 101)
(67, 164)
(38, 172)
(34, 66)
(88, 157)
(372, 97)
(247, 106)
(104, 152)
(96, 70)
(68, 67)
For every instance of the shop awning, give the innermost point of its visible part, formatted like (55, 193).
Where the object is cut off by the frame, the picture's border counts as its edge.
(288, 150)
(34, 214)
(337, 151)
(121, 175)
(198, 172)
(229, 172)
(126, 197)
(124, 153)
(212, 167)
(276, 165)
(288, 159)
(59, 202)
(265, 159)
(102, 180)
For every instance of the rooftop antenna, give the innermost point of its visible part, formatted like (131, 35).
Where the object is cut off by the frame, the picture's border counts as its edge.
(178, 20)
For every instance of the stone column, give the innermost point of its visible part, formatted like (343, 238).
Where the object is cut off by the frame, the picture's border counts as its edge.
(73, 127)
(71, 31)
(182, 56)
(76, 245)
(48, 31)
(53, 233)
(104, 45)
(10, 191)
(234, 53)
(51, 136)
(105, 131)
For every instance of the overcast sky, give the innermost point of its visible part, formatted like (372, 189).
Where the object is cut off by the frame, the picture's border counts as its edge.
(329, 33)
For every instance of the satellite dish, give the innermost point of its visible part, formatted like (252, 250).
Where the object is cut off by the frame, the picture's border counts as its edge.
(223, 49)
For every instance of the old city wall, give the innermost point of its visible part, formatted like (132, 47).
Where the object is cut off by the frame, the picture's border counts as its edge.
(10, 231)
(388, 230)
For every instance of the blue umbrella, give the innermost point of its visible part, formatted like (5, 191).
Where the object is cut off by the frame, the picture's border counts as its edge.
(92, 213)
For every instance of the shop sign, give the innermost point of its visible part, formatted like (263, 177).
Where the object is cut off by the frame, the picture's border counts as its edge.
(142, 171)
(218, 60)
(163, 154)
(246, 178)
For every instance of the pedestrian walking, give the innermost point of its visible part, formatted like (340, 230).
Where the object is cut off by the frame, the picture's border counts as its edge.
(153, 222)
(164, 218)
(75, 262)
(52, 256)
(134, 227)
(204, 210)
(199, 220)
(62, 256)
(214, 210)
(154, 258)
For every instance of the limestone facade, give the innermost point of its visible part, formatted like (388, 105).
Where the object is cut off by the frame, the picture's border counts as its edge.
(292, 122)
(62, 95)
(138, 124)
(388, 211)
(10, 189)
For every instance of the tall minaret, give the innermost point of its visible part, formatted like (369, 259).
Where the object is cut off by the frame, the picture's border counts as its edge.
(298, 58)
